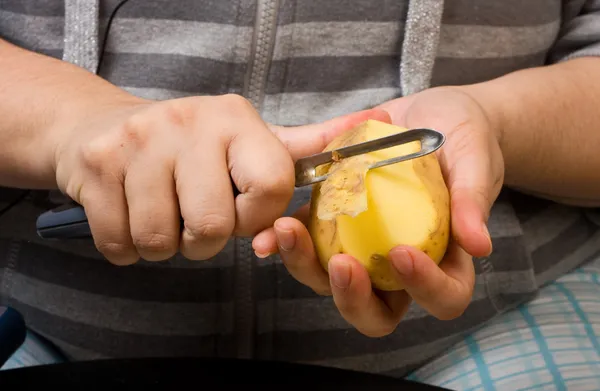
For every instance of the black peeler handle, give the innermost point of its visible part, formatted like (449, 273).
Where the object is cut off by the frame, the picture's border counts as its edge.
(65, 222)
(70, 222)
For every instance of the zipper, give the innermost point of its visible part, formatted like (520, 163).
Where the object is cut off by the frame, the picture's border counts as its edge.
(14, 248)
(261, 53)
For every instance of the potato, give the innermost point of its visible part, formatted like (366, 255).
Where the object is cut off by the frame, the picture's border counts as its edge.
(365, 213)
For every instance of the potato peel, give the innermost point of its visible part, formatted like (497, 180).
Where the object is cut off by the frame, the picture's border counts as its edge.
(344, 191)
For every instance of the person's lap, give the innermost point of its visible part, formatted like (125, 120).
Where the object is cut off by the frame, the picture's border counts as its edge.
(548, 343)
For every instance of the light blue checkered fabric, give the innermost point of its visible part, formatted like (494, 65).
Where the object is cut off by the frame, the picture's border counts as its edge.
(34, 351)
(551, 343)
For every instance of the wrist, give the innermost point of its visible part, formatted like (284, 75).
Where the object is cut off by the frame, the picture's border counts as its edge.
(79, 115)
(42, 99)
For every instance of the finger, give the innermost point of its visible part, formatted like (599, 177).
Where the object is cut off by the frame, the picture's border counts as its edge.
(470, 205)
(108, 217)
(358, 303)
(205, 199)
(296, 250)
(265, 243)
(467, 162)
(153, 208)
(263, 171)
(306, 140)
(444, 291)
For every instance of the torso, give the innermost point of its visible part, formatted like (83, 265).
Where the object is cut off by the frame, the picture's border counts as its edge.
(326, 58)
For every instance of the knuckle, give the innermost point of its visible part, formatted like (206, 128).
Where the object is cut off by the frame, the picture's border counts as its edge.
(275, 186)
(115, 252)
(113, 248)
(235, 102)
(105, 151)
(210, 226)
(97, 153)
(180, 112)
(133, 132)
(154, 242)
(235, 108)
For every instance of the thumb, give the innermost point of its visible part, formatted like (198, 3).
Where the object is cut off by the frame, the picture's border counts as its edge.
(307, 140)
(470, 203)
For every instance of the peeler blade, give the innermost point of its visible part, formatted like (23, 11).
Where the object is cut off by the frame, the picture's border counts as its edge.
(431, 140)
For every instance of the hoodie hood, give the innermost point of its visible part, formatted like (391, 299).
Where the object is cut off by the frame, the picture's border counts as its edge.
(81, 33)
(419, 49)
(421, 38)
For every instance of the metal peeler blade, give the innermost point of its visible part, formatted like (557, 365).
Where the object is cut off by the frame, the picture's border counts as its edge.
(431, 140)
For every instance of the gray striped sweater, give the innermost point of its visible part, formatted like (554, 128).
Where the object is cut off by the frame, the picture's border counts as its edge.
(298, 61)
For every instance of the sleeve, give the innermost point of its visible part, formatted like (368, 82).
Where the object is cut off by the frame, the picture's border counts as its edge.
(580, 31)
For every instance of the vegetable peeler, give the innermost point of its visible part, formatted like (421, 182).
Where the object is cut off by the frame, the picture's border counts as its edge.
(70, 222)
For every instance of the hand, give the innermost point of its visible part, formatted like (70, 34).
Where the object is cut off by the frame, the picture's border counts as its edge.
(473, 168)
(141, 166)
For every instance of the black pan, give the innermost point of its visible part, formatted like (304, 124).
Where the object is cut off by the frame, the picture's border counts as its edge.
(200, 374)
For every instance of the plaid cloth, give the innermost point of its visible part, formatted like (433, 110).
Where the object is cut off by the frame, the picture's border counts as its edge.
(551, 343)
(34, 351)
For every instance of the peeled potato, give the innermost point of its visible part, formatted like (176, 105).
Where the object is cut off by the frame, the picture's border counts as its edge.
(365, 213)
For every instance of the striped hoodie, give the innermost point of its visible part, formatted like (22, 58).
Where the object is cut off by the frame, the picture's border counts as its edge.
(297, 61)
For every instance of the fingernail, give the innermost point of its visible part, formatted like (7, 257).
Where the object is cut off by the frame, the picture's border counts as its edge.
(340, 273)
(486, 232)
(286, 239)
(261, 255)
(402, 261)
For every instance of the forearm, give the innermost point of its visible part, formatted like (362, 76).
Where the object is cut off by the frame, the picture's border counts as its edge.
(548, 124)
(40, 99)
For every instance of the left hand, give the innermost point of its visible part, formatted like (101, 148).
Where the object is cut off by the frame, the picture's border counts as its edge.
(473, 167)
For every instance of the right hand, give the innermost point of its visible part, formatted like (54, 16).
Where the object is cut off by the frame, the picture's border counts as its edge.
(138, 167)
(141, 165)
